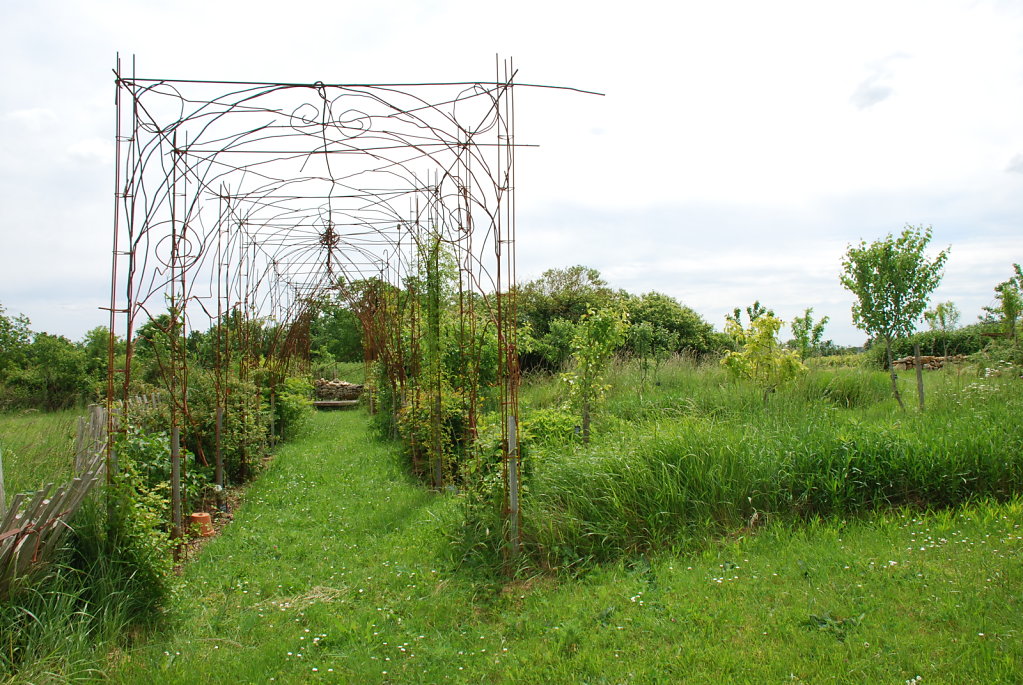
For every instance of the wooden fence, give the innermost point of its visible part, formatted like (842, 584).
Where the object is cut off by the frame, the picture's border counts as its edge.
(33, 524)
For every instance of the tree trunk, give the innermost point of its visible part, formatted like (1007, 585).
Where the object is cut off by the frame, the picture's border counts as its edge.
(586, 422)
(894, 375)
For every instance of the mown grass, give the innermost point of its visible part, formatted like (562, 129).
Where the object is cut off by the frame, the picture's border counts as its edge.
(338, 569)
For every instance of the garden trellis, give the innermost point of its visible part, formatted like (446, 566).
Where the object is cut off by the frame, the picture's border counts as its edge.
(245, 201)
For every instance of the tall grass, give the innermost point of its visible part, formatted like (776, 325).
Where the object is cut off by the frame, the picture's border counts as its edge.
(698, 455)
(62, 623)
(37, 448)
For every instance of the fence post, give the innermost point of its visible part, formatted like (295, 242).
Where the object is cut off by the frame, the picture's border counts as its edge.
(80, 447)
(919, 374)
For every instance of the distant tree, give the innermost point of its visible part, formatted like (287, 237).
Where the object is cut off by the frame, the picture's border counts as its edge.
(944, 318)
(652, 345)
(564, 295)
(337, 331)
(1009, 295)
(15, 337)
(892, 280)
(673, 318)
(598, 334)
(808, 334)
(95, 344)
(53, 376)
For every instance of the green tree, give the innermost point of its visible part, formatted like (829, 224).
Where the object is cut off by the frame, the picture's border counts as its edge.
(672, 317)
(652, 345)
(1009, 295)
(54, 375)
(95, 344)
(336, 331)
(944, 318)
(892, 280)
(565, 294)
(15, 337)
(762, 359)
(598, 334)
(808, 334)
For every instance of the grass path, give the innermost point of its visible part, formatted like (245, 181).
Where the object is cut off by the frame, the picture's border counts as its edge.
(335, 571)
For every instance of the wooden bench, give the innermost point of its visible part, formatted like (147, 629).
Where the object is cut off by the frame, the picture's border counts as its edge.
(334, 404)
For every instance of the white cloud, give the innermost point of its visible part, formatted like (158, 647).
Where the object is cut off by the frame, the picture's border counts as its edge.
(876, 87)
(33, 119)
(725, 163)
(92, 151)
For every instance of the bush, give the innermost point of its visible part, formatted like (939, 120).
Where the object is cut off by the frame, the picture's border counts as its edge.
(145, 466)
(244, 430)
(415, 426)
(293, 406)
(550, 426)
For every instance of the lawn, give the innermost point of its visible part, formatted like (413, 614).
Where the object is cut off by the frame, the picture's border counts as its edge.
(337, 568)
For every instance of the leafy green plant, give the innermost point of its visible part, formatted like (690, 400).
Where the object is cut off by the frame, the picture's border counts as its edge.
(808, 333)
(762, 359)
(550, 426)
(598, 335)
(652, 345)
(293, 406)
(144, 464)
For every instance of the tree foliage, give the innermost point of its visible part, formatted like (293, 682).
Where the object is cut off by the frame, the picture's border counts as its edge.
(15, 337)
(1009, 296)
(687, 329)
(892, 280)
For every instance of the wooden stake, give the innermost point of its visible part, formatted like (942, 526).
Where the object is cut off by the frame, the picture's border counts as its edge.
(919, 374)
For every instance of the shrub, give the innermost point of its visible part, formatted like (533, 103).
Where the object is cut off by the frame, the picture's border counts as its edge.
(144, 463)
(292, 406)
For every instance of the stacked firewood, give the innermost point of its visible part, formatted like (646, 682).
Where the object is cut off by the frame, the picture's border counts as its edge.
(928, 362)
(336, 390)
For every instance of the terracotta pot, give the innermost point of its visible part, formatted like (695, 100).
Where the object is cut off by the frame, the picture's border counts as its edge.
(201, 522)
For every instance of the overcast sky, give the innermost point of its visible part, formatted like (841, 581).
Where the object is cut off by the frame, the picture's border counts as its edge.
(740, 146)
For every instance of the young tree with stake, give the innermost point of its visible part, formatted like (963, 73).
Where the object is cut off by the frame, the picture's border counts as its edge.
(892, 280)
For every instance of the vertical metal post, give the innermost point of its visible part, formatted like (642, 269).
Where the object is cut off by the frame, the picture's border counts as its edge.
(504, 245)
(175, 456)
(175, 481)
(218, 473)
(514, 512)
(111, 336)
(919, 374)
